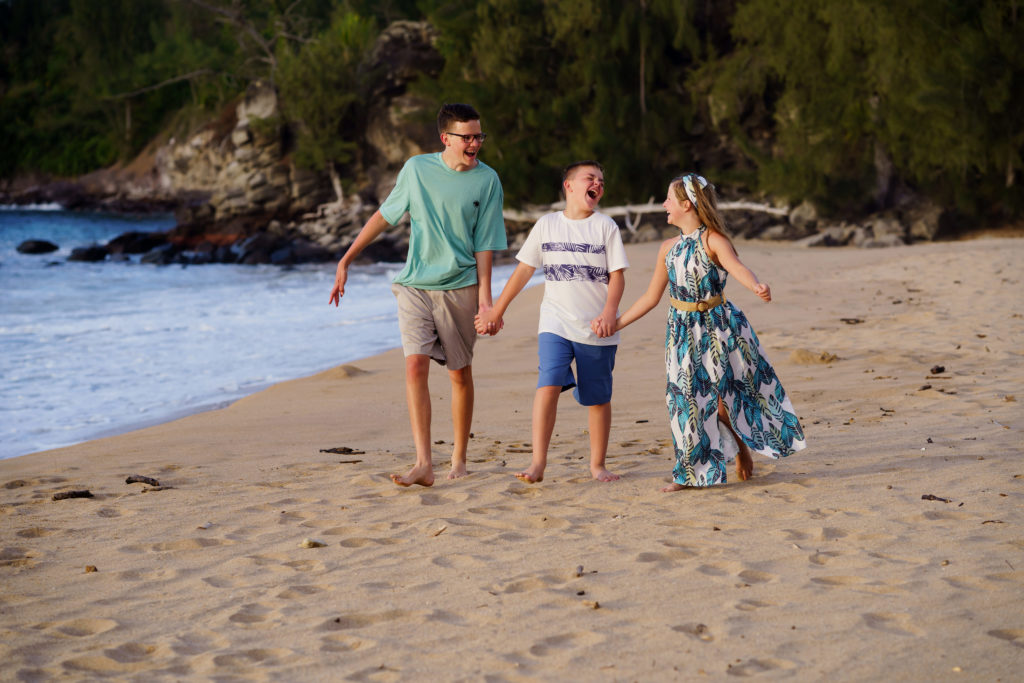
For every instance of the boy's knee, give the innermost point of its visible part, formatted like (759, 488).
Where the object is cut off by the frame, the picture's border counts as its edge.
(417, 365)
(462, 376)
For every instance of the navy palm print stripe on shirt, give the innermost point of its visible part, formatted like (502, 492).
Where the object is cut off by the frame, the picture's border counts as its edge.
(568, 271)
(573, 247)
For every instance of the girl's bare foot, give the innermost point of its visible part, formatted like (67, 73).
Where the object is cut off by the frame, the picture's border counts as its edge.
(458, 471)
(601, 474)
(744, 463)
(531, 475)
(419, 474)
(672, 487)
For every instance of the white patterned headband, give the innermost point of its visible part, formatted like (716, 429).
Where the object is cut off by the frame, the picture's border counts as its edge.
(688, 185)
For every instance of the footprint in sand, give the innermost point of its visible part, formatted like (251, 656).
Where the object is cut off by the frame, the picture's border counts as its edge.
(199, 642)
(362, 620)
(822, 558)
(80, 628)
(892, 622)
(565, 641)
(161, 574)
(442, 499)
(762, 665)
(343, 643)
(837, 581)
(492, 510)
(247, 659)
(753, 576)
(13, 556)
(251, 614)
(1015, 636)
(34, 532)
(173, 546)
(131, 653)
(299, 591)
(524, 491)
(223, 581)
(720, 568)
(528, 584)
(665, 559)
(698, 631)
(457, 561)
(360, 542)
(752, 605)
(831, 533)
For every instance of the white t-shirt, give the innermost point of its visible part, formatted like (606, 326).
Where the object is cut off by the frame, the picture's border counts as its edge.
(576, 256)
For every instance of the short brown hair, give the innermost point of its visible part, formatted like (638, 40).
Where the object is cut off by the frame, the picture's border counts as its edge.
(570, 170)
(455, 112)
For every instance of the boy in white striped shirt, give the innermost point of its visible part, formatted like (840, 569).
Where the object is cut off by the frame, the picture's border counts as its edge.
(581, 252)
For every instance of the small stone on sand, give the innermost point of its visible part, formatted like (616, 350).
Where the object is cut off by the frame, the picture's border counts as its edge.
(81, 493)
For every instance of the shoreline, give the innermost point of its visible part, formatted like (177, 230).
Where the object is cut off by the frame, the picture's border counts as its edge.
(833, 562)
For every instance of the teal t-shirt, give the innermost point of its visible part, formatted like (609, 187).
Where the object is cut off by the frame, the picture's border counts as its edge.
(454, 215)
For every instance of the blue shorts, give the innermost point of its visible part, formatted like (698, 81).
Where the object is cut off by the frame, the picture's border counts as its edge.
(594, 365)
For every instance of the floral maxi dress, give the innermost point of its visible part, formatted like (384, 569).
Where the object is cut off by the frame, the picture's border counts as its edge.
(712, 355)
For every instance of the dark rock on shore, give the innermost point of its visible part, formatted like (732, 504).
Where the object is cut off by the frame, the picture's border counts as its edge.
(37, 247)
(136, 242)
(91, 253)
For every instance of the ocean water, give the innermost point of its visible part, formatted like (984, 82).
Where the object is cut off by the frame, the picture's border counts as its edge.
(93, 349)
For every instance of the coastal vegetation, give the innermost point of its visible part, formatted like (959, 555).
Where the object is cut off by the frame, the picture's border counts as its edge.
(849, 104)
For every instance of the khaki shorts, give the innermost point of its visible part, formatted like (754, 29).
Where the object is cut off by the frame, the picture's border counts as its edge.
(438, 323)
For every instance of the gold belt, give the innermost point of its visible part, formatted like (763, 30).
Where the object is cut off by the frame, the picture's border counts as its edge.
(699, 306)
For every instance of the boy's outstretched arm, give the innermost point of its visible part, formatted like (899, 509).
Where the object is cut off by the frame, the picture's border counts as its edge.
(724, 253)
(374, 226)
(604, 324)
(489, 321)
(650, 298)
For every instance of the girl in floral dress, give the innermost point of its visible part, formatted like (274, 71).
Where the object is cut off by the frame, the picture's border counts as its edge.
(723, 397)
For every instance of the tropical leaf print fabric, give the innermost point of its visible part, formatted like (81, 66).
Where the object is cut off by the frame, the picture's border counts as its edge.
(575, 247)
(564, 272)
(714, 355)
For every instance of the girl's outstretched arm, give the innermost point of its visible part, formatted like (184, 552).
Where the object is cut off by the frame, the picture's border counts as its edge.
(720, 249)
(649, 299)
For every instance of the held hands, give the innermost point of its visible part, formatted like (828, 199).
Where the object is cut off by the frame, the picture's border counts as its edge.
(763, 291)
(487, 321)
(603, 326)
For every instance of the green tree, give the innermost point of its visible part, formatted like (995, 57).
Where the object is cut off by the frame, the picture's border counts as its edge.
(323, 86)
(855, 92)
(574, 79)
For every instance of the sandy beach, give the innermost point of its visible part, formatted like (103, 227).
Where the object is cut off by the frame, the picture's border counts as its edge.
(890, 549)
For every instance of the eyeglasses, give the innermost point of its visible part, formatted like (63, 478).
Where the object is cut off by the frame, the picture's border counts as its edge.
(479, 137)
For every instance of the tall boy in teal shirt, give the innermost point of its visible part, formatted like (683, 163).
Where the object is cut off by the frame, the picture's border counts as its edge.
(454, 202)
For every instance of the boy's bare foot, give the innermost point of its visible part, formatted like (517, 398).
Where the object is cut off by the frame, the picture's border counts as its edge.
(604, 475)
(419, 474)
(744, 463)
(531, 475)
(672, 487)
(458, 471)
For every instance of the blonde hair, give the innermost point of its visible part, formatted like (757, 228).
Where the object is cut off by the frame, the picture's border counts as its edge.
(705, 201)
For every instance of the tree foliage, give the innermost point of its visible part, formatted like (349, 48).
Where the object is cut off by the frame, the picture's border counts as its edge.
(849, 88)
(851, 103)
(573, 79)
(323, 85)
